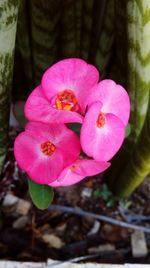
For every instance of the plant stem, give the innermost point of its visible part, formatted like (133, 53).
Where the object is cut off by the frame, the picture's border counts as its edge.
(8, 23)
(134, 162)
(139, 163)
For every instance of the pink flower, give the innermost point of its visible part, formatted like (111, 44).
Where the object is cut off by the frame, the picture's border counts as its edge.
(103, 129)
(78, 170)
(61, 98)
(43, 150)
(114, 99)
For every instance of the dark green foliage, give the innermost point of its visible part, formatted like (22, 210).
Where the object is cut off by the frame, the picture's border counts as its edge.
(8, 22)
(138, 165)
(18, 110)
(104, 193)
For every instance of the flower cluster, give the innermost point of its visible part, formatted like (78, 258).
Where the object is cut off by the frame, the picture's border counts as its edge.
(70, 92)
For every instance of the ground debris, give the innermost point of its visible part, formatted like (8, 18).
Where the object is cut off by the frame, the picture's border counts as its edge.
(138, 243)
(23, 207)
(20, 223)
(10, 200)
(102, 248)
(15, 204)
(53, 240)
(95, 228)
(86, 193)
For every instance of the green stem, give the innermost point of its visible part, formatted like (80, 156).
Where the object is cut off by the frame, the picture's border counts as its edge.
(139, 163)
(8, 23)
(87, 22)
(68, 29)
(24, 80)
(129, 171)
(45, 18)
(118, 65)
(106, 39)
(138, 63)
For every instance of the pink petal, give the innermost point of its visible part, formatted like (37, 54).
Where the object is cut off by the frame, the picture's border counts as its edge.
(114, 98)
(81, 168)
(39, 167)
(74, 74)
(64, 139)
(101, 143)
(38, 108)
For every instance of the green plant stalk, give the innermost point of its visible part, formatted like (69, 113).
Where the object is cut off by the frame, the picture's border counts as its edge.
(68, 30)
(23, 52)
(8, 23)
(138, 25)
(139, 163)
(87, 13)
(45, 21)
(106, 39)
(118, 67)
(78, 25)
(117, 70)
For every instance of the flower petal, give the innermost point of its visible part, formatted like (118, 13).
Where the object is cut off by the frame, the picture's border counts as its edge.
(38, 108)
(40, 168)
(64, 139)
(114, 97)
(74, 74)
(101, 143)
(78, 171)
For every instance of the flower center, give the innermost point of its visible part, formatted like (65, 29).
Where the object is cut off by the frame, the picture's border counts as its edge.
(66, 100)
(48, 148)
(73, 168)
(101, 120)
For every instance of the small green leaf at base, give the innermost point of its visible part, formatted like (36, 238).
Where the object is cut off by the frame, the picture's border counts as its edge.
(41, 194)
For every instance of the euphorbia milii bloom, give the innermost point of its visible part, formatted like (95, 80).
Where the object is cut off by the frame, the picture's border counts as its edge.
(102, 134)
(61, 97)
(43, 150)
(78, 170)
(114, 99)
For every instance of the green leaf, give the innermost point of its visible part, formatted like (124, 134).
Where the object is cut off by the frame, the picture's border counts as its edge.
(110, 203)
(103, 192)
(42, 195)
(18, 110)
(128, 130)
(126, 203)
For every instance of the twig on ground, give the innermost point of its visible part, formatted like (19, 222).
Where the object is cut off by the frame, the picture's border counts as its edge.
(104, 218)
(137, 218)
(92, 256)
(131, 217)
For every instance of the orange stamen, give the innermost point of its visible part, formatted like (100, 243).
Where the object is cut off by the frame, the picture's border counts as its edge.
(58, 104)
(101, 120)
(48, 148)
(73, 168)
(66, 100)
